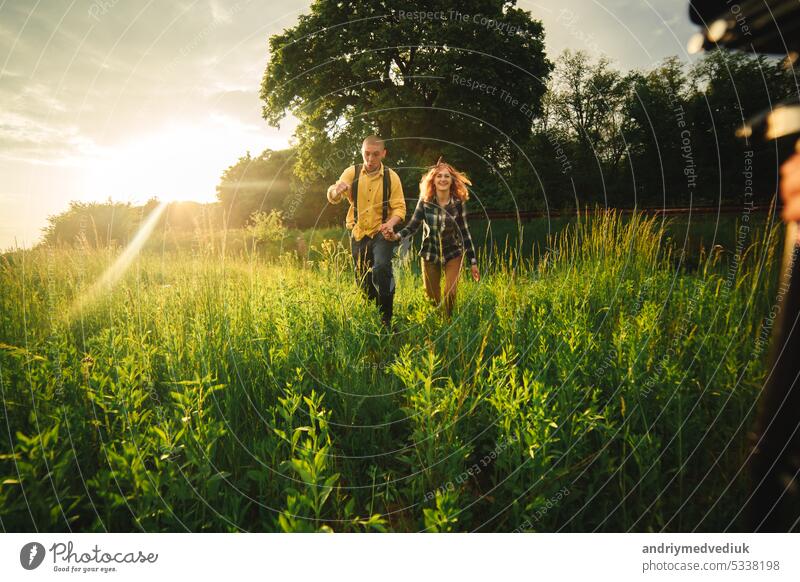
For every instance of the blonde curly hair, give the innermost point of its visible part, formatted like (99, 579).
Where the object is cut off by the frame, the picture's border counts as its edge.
(458, 185)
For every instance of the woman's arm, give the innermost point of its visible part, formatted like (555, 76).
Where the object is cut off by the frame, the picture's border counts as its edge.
(413, 224)
(461, 222)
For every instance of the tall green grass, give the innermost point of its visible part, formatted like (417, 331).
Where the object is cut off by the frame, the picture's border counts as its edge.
(596, 385)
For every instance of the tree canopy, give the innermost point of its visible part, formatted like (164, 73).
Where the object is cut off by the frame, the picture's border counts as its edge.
(663, 137)
(94, 224)
(432, 80)
(255, 184)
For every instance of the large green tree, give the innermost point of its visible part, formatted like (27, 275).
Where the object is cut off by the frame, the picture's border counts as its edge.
(587, 100)
(433, 78)
(96, 224)
(254, 184)
(658, 109)
(728, 89)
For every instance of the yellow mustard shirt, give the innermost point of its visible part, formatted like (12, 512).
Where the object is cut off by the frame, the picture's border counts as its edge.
(370, 200)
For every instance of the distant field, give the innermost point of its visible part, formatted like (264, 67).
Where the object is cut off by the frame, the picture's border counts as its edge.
(526, 239)
(598, 387)
(689, 232)
(694, 234)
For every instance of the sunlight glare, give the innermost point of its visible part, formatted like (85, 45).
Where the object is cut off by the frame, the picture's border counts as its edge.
(115, 271)
(178, 163)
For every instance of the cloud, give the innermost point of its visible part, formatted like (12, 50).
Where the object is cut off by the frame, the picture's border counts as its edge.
(30, 140)
(219, 13)
(240, 104)
(632, 34)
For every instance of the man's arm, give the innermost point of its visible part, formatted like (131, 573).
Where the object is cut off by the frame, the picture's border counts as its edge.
(336, 191)
(397, 201)
(397, 205)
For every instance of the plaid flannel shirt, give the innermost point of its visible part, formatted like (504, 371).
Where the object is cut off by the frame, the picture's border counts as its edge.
(445, 234)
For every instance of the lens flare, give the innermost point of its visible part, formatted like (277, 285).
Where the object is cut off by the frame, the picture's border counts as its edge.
(115, 271)
(717, 30)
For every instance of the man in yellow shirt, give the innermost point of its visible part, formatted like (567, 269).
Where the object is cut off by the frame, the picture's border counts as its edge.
(378, 205)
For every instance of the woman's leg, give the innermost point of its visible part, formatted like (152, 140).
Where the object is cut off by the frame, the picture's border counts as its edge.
(431, 274)
(452, 271)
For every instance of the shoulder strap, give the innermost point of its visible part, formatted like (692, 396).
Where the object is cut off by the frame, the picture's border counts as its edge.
(354, 192)
(387, 187)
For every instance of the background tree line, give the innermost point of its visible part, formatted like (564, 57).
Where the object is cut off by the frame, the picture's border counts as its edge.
(110, 223)
(663, 137)
(475, 86)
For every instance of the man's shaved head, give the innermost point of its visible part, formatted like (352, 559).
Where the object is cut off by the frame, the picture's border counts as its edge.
(373, 150)
(373, 140)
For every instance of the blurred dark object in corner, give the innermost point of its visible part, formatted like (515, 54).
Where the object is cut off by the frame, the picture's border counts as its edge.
(769, 27)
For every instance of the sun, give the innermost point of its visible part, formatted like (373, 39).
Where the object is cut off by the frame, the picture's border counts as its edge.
(173, 164)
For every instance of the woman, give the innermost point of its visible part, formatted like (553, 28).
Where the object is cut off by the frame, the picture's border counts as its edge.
(446, 238)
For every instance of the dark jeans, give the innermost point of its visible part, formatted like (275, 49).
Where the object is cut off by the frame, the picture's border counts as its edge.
(372, 257)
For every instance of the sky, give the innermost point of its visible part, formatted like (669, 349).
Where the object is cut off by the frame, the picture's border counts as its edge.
(130, 99)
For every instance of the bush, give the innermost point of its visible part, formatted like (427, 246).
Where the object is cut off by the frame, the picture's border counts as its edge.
(266, 227)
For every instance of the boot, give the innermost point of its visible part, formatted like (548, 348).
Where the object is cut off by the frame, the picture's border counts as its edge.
(386, 306)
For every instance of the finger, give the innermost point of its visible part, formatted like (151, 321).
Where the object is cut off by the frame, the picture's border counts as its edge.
(790, 172)
(790, 168)
(790, 186)
(790, 165)
(791, 211)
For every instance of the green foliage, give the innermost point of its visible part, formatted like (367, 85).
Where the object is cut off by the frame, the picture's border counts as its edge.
(255, 184)
(660, 137)
(444, 517)
(107, 224)
(571, 392)
(309, 464)
(729, 88)
(586, 103)
(348, 69)
(267, 227)
(92, 224)
(587, 134)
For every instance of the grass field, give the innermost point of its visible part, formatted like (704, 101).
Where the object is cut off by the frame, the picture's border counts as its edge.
(687, 233)
(600, 385)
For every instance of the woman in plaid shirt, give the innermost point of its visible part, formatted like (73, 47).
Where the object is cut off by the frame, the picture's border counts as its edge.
(445, 235)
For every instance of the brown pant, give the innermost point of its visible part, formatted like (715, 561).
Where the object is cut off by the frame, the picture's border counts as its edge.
(431, 277)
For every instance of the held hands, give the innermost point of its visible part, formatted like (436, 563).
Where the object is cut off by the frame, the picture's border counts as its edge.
(387, 230)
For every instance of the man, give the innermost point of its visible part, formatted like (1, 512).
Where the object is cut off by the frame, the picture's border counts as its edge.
(374, 211)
